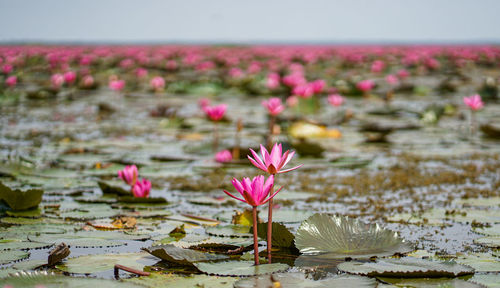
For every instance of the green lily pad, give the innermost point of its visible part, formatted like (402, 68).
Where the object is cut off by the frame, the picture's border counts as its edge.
(206, 200)
(24, 221)
(51, 280)
(132, 199)
(109, 187)
(488, 280)
(33, 213)
(342, 237)
(281, 236)
(490, 241)
(298, 280)
(173, 254)
(23, 245)
(493, 230)
(102, 262)
(282, 216)
(430, 282)
(229, 231)
(29, 265)
(6, 272)
(480, 202)
(156, 280)
(481, 262)
(405, 267)
(11, 256)
(20, 200)
(238, 268)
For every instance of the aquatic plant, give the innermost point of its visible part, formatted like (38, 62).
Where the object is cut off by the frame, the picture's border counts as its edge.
(215, 114)
(474, 103)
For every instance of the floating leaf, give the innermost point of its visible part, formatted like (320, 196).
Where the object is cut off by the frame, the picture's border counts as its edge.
(51, 280)
(103, 262)
(33, 213)
(280, 215)
(281, 237)
(206, 200)
(405, 267)
(108, 187)
(430, 282)
(244, 218)
(23, 245)
(493, 230)
(298, 280)
(29, 265)
(229, 231)
(239, 268)
(480, 202)
(181, 256)
(342, 237)
(132, 199)
(20, 200)
(481, 262)
(156, 280)
(490, 241)
(11, 256)
(488, 280)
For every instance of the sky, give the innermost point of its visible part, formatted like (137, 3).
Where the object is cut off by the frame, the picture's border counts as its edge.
(255, 21)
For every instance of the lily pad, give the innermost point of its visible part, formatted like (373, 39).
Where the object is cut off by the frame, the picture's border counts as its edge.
(156, 280)
(229, 231)
(11, 256)
(299, 280)
(280, 215)
(20, 200)
(102, 262)
(493, 230)
(481, 262)
(23, 245)
(488, 280)
(281, 236)
(430, 282)
(341, 237)
(480, 202)
(49, 280)
(405, 267)
(490, 241)
(239, 268)
(173, 254)
(108, 187)
(132, 199)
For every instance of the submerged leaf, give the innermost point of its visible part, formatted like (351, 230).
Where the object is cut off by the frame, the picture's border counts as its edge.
(341, 237)
(281, 237)
(405, 267)
(20, 200)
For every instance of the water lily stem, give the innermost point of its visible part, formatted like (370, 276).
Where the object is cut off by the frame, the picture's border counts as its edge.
(216, 137)
(255, 240)
(269, 142)
(270, 228)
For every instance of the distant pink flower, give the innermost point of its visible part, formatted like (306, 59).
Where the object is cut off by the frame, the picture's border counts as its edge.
(304, 90)
(142, 188)
(223, 156)
(365, 85)
(254, 68)
(292, 101)
(215, 113)
(206, 65)
(157, 83)
(117, 85)
(335, 100)
(273, 162)
(474, 102)
(273, 81)
(69, 77)
(377, 66)
(235, 73)
(273, 106)
(57, 80)
(391, 79)
(203, 102)
(88, 81)
(141, 72)
(7, 68)
(11, 81)
(129, 174)
(126, 63)
(171, 65)
(403, 74)
(254, 192)
(318, 86)
(294, 80)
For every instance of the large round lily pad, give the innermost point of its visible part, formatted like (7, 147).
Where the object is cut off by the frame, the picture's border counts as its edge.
(50, 280)
(239, 268)
(481, 262)
(405, 267)
(229, 231)
(18, 199)
(156, 280)
(173, 254)
(299, 280)
(103, 262)
(430, 282)
(11, 256)
(341, 237)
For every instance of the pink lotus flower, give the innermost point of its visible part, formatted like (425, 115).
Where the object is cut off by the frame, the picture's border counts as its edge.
(335, 100)
(203, 102)
(235, 73)
(69, 77)
(223, 156)
(292, 101)
(403, 74)
(141, 188)
(215, 113)
(88, 81)
(294, 80)
(377, 66)
(116, 85)
(129, 174)
(7, 68)
(11, 81)
(273, 106)
(171, 65)
(273, 81)
(304, 91)
(318, 86)
(141, 72)
(255, 192)
(474, 102)
(57, 80)
(273, 162)
(157, 83)
(391, 79)
(365, 85)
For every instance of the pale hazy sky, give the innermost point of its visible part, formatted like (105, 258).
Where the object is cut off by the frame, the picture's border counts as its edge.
(274, 21)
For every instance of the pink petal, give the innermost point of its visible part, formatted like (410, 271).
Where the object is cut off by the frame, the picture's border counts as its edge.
(288, 170)
(237, 185)
(271, 197)
(230, 195)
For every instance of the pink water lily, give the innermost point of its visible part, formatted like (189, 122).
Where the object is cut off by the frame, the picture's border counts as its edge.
(273, 106)
(142, 188)
(365, 85)
(116, 85)
(272, 162)
(129, 174)
(157, 83)
(215, 113)
(255, 192)
(223, 156)
(335, 100)
(474, 102)
(57, 80)
(11, 81)
(69, 77)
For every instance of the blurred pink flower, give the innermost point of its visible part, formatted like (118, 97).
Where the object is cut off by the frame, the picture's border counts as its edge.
(235, 73)
(157, 83)
(57, 80)
(117, 85)
(292, 101)
(255, 192)
(69, 77)
(335, 100)
(142, 188)
(294, 80)
(11, 81)
(304, 90)
(365, 85)
(141, 72)
(223, 156)
(203, 102)
(377, 66)
(391, 79)
(7, 68)
(87, 81)
(474, 102)
(318, 85)
(273, 106)
(215, 113)
(273, 81)
(403, 74)
(129, 174)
